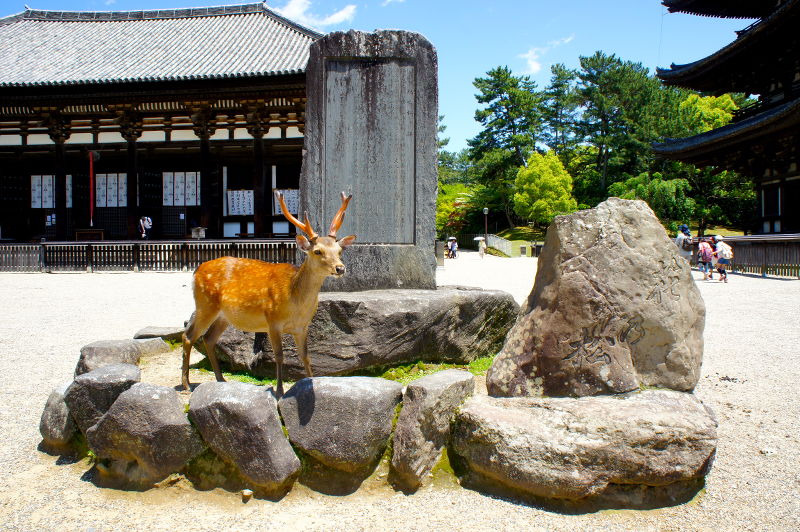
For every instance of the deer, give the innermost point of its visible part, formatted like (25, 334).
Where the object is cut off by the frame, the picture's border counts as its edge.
(257, 296)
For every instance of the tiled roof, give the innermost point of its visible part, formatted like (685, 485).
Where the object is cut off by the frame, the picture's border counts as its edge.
(706, 146)
(761, 49)
(71, 48)
(723, 8)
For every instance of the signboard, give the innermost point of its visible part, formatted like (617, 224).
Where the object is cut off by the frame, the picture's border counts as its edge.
(240, 202)
(292, 198)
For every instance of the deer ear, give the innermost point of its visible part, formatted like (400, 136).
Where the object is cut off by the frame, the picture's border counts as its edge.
(303, 243)
(346, 241)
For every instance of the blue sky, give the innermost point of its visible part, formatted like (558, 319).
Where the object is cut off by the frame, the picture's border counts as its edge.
(472, 37)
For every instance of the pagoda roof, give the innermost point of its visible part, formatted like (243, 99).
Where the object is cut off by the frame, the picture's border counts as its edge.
(723, 8)
(57, 48)
(711, 147)
(749, 63)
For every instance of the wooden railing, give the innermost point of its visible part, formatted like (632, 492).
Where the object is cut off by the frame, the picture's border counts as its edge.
(135, 255)
(777, 255)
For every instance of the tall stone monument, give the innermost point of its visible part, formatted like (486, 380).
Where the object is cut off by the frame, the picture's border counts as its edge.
(371, 131)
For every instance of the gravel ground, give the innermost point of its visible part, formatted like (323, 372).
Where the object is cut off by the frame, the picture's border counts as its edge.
(750, 378)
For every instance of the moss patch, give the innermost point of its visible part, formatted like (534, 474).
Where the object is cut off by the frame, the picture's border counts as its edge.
(205, 367)
(405, 373)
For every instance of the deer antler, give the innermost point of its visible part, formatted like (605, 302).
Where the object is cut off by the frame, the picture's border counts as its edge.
(339, 218)
(304, 227)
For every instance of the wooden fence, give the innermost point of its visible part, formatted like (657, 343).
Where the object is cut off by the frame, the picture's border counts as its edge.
(777, 255)
(136, 256)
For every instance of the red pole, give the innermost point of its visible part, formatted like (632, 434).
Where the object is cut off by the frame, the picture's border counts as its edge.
(91, 189)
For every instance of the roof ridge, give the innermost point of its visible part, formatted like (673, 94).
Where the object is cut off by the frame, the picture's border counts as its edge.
(155, 14)
(141, 14)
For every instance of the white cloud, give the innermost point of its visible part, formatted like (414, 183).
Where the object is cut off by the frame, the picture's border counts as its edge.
(533, 56)
(387, 2)
(110, 2)
(299, 11)
(559, 42)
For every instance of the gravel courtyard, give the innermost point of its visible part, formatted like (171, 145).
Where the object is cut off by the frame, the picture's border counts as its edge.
(750, 377)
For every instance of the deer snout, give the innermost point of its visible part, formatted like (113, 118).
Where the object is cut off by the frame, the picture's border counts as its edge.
(340, 269)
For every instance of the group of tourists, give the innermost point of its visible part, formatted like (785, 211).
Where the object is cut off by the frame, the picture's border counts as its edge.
(712, 253)
(452, 248)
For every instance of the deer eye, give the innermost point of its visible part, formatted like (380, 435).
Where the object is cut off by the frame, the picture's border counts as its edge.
(317, 252)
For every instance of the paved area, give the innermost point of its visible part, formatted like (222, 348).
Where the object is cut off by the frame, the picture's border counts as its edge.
(750, 377)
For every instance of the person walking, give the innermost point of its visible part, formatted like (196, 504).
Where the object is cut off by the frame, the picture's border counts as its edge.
(705, 260)
(145, 225)
(684, 242)
(724, 254)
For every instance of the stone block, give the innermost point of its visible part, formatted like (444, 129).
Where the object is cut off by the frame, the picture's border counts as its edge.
(614, 307)
(423, 427)
(371, 124)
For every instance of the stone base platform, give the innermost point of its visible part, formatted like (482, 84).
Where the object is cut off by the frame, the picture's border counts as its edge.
(358, 330)
(639, 450)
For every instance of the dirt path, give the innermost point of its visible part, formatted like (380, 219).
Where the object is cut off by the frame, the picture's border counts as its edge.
(750, 377)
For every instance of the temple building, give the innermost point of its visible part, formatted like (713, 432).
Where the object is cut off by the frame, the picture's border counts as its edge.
(763, 140)
(188, 116)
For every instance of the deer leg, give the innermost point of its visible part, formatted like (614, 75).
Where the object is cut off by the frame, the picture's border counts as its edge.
(277, 350)
(301, 340)
(210, 338)
(198, 325)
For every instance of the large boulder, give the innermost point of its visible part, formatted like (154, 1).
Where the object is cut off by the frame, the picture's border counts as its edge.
(343, 422)
(240, 423)
(56, 425)
(106, 352)
(423, 427)
(572, 448)
(152, 346)
(145, 434)
(614, 307)
(91, 394)
(358, 330)
(173, 334)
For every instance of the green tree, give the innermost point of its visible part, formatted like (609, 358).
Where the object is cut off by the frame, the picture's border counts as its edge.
(619, 102)
(511, 117)
(560, 103)
(511, 120)
(720, 197)
(544, 189)
(496, 170)
(669, 198)
(704, 113)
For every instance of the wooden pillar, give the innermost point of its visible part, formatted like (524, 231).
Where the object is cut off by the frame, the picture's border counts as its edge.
(257, 126)
(209, 212)
(59, 130)
(260, 189)
(131, 124)
(204, 124)
(132, 191)
(60, 192)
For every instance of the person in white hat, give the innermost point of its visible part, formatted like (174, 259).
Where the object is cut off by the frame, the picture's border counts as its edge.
(724, 255)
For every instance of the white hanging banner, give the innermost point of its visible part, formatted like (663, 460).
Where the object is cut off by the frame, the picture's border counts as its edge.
(36, 192)
(111, 193)
(198, 188)
(168, 198)
(100, 190)
(180, 188)
(122, 188)
(47, 192)
(69, 191)
(191, 188)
